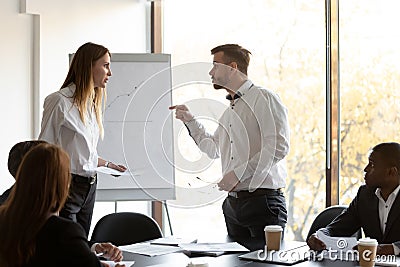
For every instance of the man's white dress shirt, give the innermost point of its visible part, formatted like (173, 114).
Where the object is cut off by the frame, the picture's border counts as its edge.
(252, 139)
(384, 209)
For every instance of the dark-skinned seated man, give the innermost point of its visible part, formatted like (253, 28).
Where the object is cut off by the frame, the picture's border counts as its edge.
(376, 208)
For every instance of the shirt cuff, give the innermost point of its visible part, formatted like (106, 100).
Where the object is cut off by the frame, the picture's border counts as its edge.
(93, 247)
(190, 123)
(396, 249)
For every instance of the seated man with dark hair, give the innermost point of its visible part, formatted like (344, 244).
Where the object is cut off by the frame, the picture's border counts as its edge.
(376, 208)
(15, 157)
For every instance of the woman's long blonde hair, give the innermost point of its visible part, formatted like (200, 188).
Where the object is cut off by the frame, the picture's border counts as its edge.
(41, 189)
(80, 73)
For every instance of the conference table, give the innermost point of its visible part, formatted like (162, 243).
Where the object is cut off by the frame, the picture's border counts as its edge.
(227, 260)
(182, 259)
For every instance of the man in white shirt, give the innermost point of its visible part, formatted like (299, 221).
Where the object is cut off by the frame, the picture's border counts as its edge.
(252, 140)
(376, 208)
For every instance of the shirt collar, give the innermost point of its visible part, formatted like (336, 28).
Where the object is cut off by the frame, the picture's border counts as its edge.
(241, 91)
(69, 90)
(395, 192)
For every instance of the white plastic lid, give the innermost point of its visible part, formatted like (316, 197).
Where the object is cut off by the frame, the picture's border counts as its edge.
(367, 242)
(273, 228)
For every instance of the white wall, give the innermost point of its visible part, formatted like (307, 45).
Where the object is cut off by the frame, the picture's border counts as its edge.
(63, 26)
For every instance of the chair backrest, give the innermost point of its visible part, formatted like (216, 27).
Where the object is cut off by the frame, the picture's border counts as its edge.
(124, 228)
(326, 217)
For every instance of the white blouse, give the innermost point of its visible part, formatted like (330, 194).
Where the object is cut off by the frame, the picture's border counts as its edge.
(62, 125)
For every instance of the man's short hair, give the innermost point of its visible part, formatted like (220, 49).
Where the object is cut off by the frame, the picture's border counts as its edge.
(234, 53)
(390, 153)
(18, 152)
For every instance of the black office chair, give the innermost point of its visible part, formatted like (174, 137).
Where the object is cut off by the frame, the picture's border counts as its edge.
(124, 228)
(326, 217)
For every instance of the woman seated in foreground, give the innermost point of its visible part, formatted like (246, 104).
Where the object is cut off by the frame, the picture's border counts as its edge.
(32, 233)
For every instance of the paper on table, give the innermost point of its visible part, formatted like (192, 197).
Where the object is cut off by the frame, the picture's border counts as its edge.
(197, 260)
(149, 250)
(337, 243)
(215, 247)
(206, 253)
(111, 171)
(388, 260)
(112, 264)
(172, 241)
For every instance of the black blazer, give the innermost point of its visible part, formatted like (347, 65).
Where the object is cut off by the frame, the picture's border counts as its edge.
(62, 242)
(363, 213)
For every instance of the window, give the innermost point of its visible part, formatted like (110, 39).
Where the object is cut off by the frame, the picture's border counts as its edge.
(286, 39)
(370, 76)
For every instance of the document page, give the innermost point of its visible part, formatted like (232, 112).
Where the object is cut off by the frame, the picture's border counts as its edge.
(173, 241)
(110, 171)
(112, 263)
(149, 250)
(337, 243)
(215, 247)
(388, 260)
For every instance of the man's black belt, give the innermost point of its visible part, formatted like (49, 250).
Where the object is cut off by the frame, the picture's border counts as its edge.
(257, 192)
(84, 179)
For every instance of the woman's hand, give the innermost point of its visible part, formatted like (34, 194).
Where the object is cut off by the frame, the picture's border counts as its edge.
(114, 166)
(109, 251)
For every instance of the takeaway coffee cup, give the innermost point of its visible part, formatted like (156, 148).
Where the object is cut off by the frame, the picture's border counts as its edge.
(273, 236)
(367, 251)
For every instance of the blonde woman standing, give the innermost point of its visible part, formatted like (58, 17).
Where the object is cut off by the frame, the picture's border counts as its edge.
(72, 118)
